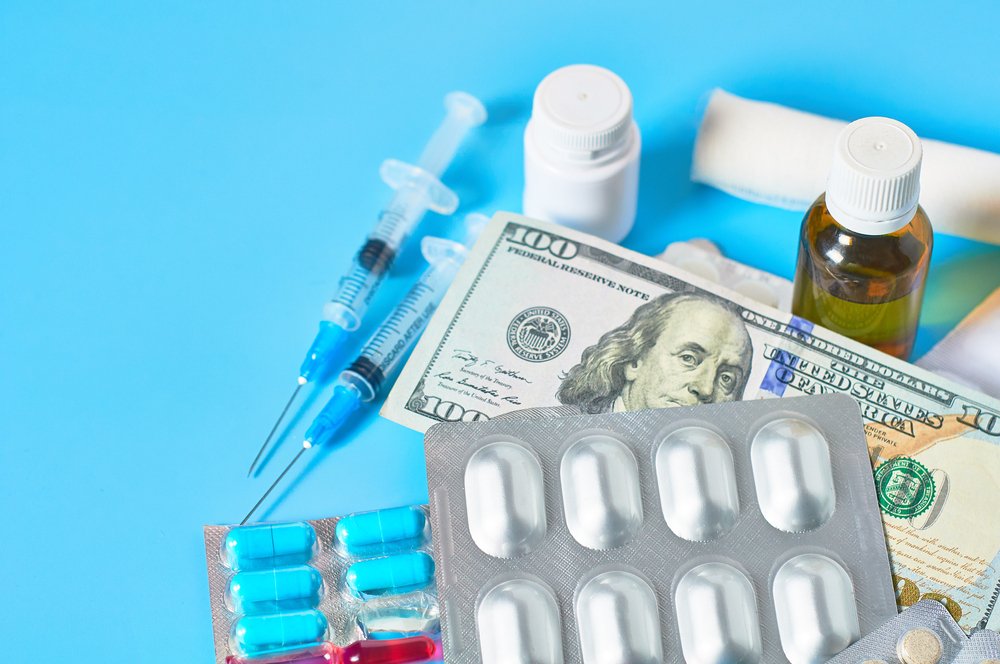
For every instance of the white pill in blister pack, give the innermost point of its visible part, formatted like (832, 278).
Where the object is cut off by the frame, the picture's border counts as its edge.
(925, 633)
(518, 621)
(618, 620)
(745, 532)
(793, 476)
(600, 490)
(506, 499)
(815, 607)
(697, 484)
(717, 615)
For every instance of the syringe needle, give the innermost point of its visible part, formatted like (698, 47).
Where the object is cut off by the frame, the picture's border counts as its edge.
(277, 423)
(273, 484)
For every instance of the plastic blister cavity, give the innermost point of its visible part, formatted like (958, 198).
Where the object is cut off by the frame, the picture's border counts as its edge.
(369, 532)
(793, 476)
(815, 606)
(319, 587)
(505, 495)
(269, 545)
(391, 575)
(697, 484)
(618, 620)
(741, 532)
(392, 617)
(274, 590)
(919, 646)
(600, 489)
(274, 632)
(518, 621)
(717, 616)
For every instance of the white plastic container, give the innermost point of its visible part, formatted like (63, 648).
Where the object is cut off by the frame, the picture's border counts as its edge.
(581, 152)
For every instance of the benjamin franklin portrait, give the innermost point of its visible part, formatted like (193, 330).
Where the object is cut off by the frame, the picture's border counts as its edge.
(681, 349)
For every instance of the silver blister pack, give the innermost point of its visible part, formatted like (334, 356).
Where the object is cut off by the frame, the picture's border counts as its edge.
(983, 648)
(738, 532)
(924, 633)
(329, 591)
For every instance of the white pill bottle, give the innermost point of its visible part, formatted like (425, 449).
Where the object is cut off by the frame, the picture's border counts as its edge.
(581, 152)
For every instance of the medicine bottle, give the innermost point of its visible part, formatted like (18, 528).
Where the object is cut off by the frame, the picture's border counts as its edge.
(581, 152)
(865, 244)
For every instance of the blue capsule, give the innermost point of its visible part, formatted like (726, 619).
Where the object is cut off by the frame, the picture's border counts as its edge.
(357, 532)
(255, 635)
(390, 575)
(269, 545)
(271, 590)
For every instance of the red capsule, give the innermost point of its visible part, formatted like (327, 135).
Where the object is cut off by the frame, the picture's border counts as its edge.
(371, 651)
(388, 651)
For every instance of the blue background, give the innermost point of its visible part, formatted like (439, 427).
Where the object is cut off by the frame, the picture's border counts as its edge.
(181, 184)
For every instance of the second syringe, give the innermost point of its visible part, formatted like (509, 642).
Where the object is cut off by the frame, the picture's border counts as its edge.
(362, 380)
(417, 189)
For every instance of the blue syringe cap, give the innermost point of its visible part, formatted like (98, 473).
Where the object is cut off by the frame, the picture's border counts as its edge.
(342, 404)
(322, 353)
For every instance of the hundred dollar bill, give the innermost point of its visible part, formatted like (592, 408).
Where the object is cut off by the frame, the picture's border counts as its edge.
(542, 316)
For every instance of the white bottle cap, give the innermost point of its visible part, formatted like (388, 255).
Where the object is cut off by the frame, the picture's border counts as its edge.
(875, 176)
(583, 109)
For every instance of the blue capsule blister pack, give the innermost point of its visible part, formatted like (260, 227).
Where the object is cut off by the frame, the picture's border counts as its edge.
(278, 587)
(738, 532)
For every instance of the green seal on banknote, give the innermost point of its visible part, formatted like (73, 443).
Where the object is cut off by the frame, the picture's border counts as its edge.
(538, 334)
(905, 487)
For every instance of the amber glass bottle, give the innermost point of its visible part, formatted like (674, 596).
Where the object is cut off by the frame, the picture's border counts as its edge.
(865, 245)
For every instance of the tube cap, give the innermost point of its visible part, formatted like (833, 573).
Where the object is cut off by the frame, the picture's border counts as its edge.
(875, 176)
(582, 108)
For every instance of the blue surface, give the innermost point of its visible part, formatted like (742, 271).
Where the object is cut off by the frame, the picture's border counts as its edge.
(181, 183)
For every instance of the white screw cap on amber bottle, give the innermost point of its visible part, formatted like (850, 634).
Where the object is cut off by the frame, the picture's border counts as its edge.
(875, 177)
(581, 152)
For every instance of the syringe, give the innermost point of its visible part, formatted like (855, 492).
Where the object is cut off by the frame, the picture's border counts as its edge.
(418, 188)
(362, 380)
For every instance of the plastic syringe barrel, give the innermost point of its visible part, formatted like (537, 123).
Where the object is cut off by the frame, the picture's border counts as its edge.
(387, 347)
(417, 189)
(361, 382)
(464, 112)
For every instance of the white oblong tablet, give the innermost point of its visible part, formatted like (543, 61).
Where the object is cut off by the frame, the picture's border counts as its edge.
(793, 476)
(815, 607)
(600, 490)
(717, 616)
(697, 484)
(618, 621)
(505, 499)
(518, 623)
